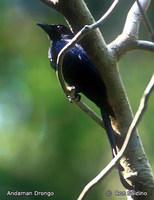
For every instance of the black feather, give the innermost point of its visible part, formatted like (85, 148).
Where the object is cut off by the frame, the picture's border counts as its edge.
(79, 71)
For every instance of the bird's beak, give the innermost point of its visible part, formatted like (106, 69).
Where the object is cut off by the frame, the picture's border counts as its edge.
(43, 26)
(46, 28)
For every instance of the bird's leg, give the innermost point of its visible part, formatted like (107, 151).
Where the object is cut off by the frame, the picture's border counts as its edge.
(72, 94)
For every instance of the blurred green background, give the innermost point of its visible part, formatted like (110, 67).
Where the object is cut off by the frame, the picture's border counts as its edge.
(46, 143)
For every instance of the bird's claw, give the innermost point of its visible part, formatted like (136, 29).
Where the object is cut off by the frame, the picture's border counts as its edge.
(73, 95)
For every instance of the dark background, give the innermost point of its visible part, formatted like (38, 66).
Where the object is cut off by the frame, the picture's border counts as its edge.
(46, 143)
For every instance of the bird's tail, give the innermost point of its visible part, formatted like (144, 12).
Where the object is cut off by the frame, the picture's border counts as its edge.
(109, 131)
(110, 134)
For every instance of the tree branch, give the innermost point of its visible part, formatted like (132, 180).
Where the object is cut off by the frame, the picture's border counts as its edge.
(115, 160)
(146, 22)
(127, 40)
(122, 45)
(134, 18)
(145, 45)
(50, 3)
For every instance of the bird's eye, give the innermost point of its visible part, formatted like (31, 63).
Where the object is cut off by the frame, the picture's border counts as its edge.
(59, 27)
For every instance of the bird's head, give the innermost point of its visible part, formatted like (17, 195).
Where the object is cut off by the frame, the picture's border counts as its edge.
(56, 31)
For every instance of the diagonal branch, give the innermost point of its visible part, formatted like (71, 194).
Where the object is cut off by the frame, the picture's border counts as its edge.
(134, 18)
(115, 160)
(105, 16)
(146, 21)
(71, 92)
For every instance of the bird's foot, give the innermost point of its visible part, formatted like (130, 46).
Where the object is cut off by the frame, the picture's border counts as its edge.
(73, 95)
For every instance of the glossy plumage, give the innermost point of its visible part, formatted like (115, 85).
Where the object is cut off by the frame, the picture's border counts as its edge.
(79, 71)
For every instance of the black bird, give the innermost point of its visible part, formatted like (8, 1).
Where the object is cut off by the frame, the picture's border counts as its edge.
(79, 71)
